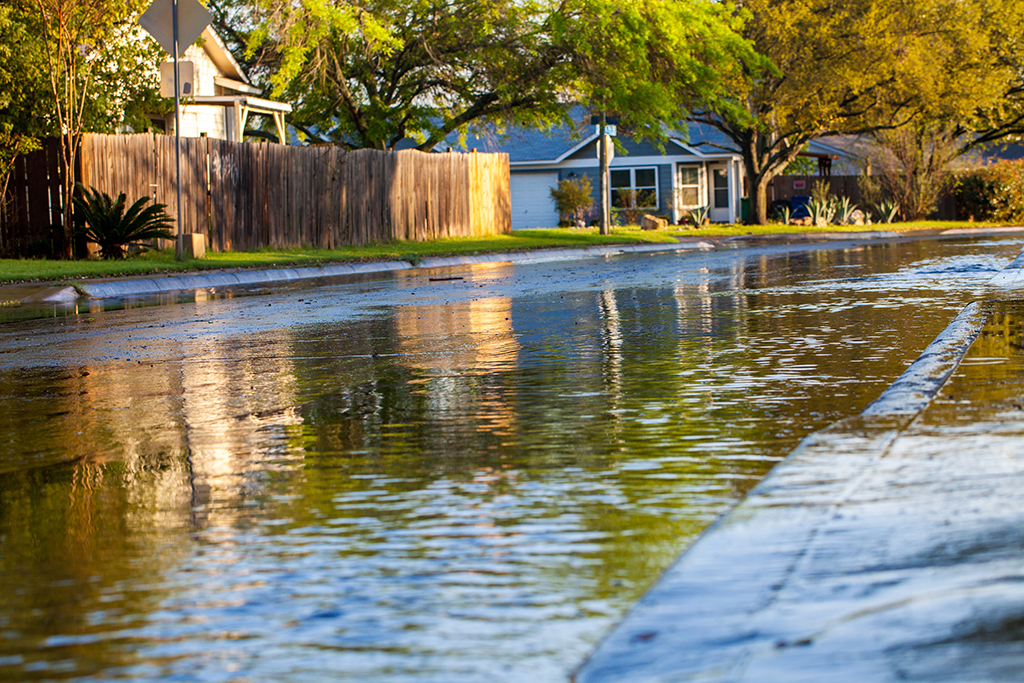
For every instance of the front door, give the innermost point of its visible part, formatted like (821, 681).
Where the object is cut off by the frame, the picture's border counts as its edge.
(719, 191)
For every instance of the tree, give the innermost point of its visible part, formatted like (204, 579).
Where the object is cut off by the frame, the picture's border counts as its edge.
(852, 68)
(97, 73)
(914, 165)
(394, 70)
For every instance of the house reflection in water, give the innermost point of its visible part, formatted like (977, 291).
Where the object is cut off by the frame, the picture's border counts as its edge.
(460, 375)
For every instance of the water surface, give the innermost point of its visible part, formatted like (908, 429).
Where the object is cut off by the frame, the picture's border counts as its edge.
(418, 478)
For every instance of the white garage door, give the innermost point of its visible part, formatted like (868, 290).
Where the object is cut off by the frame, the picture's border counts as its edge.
(532, 206)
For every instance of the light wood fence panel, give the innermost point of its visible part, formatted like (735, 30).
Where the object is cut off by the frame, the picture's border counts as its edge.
(245, 196)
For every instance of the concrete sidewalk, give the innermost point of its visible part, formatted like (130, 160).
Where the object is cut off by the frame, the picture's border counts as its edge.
(888, 547)
(108, 288)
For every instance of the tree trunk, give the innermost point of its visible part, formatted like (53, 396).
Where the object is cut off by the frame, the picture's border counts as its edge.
(758, 214)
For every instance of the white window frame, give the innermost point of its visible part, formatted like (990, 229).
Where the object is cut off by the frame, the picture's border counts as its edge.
(632, 185)
(698, 186)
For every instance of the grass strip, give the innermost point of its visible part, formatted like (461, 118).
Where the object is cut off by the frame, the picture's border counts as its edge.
(160, 262)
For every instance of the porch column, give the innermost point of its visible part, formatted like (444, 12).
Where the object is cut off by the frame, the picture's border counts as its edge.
(279, 124)
(730, 179)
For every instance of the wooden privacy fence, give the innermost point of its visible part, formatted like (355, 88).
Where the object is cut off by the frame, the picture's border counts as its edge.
(244, 196)
(783, 187)
(839, 186)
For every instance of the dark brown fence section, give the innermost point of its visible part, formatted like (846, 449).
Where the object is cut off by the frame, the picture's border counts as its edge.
(31, 215)
(245, 196)
(788, 186)
(785, 187)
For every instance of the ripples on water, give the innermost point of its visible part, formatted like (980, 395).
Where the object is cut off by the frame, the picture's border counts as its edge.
(403, 480)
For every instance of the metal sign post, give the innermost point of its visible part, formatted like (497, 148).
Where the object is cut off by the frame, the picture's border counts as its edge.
(177, 129)
(187, 19)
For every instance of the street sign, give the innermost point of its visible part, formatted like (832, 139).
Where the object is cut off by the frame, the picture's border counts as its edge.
(158, 20)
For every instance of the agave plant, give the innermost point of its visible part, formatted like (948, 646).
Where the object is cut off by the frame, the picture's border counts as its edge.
(104, 221)
(888, 210)
(846, 209)
(822, 211)
(785, 215)
(699, 214)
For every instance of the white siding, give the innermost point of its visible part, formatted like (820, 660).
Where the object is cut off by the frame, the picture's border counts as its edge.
(198, 118)
(532, 206)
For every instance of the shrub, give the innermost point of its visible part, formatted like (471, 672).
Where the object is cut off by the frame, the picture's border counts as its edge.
(992, 193)
(105, 222)
(574, 197)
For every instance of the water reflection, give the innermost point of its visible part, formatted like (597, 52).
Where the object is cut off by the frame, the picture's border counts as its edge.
(469, 484)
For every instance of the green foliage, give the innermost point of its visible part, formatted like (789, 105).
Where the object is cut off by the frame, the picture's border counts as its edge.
(802, 166)
(77, 66)
(992, 193)
(870, 189)
(106, 222)
(12, 145)
(821, 191)
(784, 214)
(386, 70)
(624, 201)
(574, 197)
(860, 66)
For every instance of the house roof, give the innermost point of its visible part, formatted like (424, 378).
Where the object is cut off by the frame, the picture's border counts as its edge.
(220, 56)
(532, 146)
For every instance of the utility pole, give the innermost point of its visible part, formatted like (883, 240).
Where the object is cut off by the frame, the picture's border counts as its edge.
(606, 224)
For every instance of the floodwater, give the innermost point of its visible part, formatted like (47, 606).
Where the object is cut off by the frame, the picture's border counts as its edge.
(417, 477)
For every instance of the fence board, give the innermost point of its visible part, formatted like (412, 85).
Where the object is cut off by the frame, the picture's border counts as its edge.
(245, 196)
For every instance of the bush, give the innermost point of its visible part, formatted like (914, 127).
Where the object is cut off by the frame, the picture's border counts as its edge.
(105, 222)
(992, 193)
(574, 197)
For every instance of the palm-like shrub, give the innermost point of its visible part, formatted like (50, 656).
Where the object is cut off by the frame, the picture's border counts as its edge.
(104, 221)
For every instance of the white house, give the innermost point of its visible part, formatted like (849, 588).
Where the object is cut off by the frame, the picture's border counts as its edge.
(670, 182)
(222, 100)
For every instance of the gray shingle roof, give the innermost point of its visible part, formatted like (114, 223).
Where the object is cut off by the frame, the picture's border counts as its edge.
(531, 144)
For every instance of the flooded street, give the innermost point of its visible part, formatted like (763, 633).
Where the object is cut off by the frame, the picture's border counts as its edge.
(451, 476)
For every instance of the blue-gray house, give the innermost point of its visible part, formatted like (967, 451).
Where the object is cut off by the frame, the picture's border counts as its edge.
(687, 174)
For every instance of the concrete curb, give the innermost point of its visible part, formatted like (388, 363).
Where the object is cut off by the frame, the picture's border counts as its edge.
(700, 620)
(820, 236)
(914, 389)
(732, 600)
(174, 283)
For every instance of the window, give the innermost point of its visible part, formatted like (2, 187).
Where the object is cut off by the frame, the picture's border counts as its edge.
(638, 183)
(689, 186)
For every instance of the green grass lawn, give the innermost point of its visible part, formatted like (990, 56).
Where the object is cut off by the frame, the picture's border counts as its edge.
(25, 270)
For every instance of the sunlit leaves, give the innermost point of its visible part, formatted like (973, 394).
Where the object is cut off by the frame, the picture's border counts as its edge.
(393, 70)
(863, 65)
